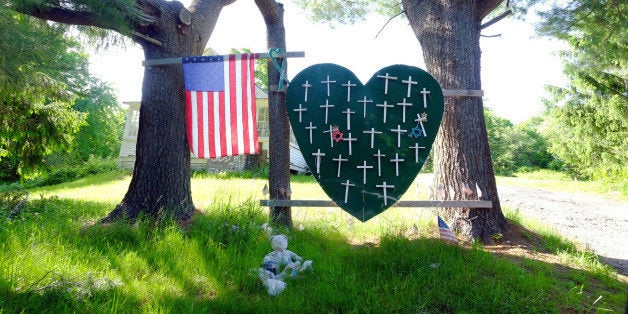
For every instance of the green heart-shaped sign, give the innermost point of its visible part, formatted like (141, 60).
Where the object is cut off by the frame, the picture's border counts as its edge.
(364, 144)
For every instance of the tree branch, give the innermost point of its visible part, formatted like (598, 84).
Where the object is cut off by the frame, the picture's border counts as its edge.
(390, 19)
(65, 16)
(496, 19)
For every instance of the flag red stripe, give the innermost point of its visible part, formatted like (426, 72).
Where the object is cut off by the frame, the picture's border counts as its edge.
(245, 104)
(223, 125)
(188, 114)
(199, 118)
(253, 105)
(211, 125)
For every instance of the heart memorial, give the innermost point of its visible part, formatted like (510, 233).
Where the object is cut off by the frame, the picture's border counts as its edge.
(364, 144)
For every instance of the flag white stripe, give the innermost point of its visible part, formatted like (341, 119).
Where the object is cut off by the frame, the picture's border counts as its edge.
(227, 107)
(205, 126)
(249, 105)
(238, 82)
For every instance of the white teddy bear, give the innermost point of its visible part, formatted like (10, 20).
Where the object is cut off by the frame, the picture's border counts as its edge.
(271, 273)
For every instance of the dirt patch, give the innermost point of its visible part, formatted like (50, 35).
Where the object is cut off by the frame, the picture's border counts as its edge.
(598, 224)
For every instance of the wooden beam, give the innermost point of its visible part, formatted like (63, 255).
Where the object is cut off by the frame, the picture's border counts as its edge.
(462, 93)
(263, 55)
(405, 204)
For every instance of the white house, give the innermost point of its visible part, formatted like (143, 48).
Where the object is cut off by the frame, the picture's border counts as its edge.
(222, 164)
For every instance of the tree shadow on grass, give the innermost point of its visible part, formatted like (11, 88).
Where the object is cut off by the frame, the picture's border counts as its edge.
(210, 266)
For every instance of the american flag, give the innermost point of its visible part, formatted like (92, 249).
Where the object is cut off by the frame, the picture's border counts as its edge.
(220, 105)
(445, 233)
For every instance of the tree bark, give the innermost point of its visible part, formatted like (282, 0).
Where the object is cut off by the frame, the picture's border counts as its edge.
(449, 34)
(165, 29)
(279, 127)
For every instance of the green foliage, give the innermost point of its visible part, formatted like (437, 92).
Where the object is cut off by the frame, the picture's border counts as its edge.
(588, 119)
(55, 260)
(67, 173)
(515, 148)
(104, 127)
(41, 71)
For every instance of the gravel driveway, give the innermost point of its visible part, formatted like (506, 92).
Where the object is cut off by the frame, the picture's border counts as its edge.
(597, 223)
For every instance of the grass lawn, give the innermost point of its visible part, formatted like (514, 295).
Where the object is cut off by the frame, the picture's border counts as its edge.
(54, 258)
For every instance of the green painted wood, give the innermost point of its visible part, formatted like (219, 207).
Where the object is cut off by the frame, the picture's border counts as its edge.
(364, 144)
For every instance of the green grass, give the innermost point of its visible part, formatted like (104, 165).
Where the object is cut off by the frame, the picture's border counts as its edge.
(561, 182)
(53, 259)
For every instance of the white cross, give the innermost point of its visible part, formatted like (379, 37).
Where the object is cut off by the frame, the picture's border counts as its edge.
(416, 151)
(410, 82)
(339, 160)
(398, 130)
(300, 111)
(385, 187)
(387, 77)
(425, 92)
(347, 185)
(350, 139)
(349, 113)
(364, 167)
(396, 160)
(310, 128)
(318, 156)
(364, 101)
(379, 156)
(331, 134)
(385, 105)
(326, 106)
(348, 86)
(328, 82)
(372, 132)
(419, 121)
(307, 85)
(403, 105)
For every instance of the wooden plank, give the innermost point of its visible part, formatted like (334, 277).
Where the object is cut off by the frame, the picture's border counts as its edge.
(462, 93)
(407, 204)
(264, 55)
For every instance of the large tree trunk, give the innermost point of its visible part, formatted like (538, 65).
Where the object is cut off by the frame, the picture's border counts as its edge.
(161, 176)
(279, 126)
(165, 29)
(449, 34)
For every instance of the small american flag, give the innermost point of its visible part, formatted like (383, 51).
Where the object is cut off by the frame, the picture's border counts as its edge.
(445, 233)
(220, 105)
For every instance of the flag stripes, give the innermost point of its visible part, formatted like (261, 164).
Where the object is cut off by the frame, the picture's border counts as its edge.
(222, 121)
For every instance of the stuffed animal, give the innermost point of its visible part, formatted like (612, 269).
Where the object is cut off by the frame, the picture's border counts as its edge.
(280, 264)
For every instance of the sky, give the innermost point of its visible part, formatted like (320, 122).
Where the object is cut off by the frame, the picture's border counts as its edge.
(515, 66)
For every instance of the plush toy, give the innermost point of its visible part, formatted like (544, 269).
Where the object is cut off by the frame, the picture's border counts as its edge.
(280, 264)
